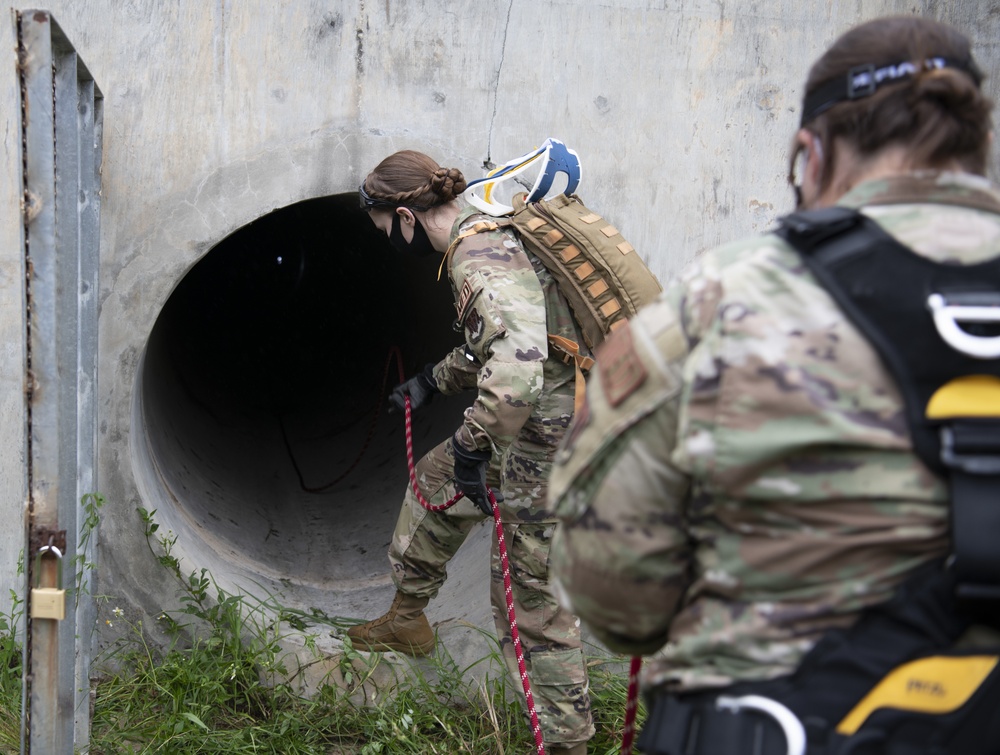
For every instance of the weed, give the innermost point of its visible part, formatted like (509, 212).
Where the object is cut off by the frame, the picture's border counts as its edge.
(221, 687)
(91, 504)
(10, 670)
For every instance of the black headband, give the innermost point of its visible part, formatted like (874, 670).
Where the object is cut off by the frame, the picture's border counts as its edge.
(862, 81)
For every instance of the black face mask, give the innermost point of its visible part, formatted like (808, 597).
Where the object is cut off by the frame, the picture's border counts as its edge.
(420, 244)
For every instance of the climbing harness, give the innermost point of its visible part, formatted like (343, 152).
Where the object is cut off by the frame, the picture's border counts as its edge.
(892, 683)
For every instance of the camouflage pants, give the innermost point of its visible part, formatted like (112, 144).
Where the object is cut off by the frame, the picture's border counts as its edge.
(423, 543)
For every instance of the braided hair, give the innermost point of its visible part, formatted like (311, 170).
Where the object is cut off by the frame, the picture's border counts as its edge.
(412, 179)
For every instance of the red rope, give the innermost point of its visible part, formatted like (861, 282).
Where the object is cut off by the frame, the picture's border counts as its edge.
(632, 701)
(536, 727)
(413, 470)
(631, 705)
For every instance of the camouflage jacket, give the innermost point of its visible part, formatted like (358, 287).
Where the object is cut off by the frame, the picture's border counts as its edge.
(507, 304)
(742, 477)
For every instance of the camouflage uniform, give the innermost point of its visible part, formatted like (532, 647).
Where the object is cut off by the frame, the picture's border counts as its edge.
(742, 478)
(507, 303)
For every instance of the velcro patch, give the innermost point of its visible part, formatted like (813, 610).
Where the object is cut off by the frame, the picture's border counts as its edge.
(597, 288)
(571, 252)
(552, 238)
(610, 307)
(622, 371)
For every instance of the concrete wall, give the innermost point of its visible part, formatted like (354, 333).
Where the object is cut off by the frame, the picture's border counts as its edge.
(218, 113)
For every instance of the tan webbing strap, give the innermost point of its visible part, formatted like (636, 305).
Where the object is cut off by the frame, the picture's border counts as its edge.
(571, 353)
(480, 227)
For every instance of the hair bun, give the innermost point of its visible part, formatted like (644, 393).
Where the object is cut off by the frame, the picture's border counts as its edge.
(448, 183)
(955, 90)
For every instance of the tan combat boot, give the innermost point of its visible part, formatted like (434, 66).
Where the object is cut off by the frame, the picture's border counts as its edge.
(404, 628)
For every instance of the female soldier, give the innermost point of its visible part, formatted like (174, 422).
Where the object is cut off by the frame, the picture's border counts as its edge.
(507, 304)
(743, 480)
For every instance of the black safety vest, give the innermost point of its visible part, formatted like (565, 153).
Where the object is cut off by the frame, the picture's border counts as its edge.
(924, 318)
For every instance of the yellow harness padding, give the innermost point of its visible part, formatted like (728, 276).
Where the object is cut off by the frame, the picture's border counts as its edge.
(968, 396)
(939, 684)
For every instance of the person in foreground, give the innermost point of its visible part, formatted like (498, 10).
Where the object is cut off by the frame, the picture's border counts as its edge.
(742, 498)
(507, 305)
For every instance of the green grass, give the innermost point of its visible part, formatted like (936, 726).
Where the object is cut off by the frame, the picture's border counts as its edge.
(222, 687)
(10, 676)
(207, 698)
(227, 692)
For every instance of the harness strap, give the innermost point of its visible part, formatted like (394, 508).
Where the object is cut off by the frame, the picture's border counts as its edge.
(859, 689)
(975, 519)
(480, 227)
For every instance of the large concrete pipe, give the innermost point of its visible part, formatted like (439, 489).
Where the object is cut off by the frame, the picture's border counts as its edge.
(262, 433)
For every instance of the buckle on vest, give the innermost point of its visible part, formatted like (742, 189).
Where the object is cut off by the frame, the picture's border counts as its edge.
(975, 307)
(969, 457)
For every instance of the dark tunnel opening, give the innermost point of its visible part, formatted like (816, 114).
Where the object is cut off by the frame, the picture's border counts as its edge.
(263, 385)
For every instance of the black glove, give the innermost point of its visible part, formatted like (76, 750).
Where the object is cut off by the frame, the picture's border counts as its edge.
(470, 475)
(420, 388)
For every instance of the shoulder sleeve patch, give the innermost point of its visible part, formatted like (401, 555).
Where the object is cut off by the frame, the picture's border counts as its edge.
(465, 297)
(622, 371)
